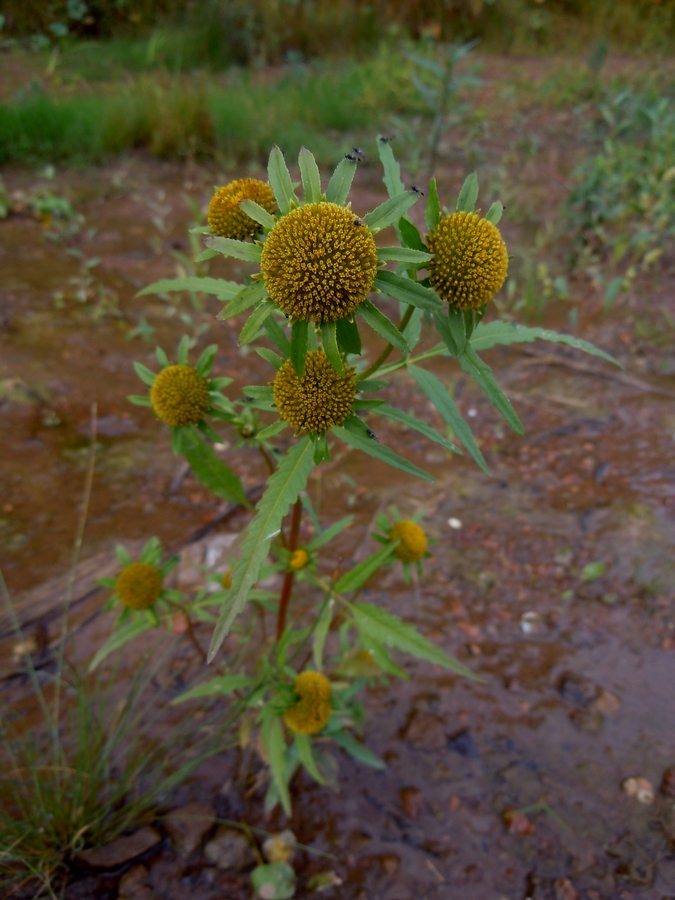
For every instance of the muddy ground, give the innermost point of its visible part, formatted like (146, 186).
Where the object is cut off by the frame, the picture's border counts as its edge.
(577, 663)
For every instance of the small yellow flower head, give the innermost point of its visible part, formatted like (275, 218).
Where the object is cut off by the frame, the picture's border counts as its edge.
(299, 559)
(227, 219)
(318, 263)
(470, 260)
(139, 585)
(319, 400)
(180, 396)
(227, 579)
(312, 711)
(413, 540)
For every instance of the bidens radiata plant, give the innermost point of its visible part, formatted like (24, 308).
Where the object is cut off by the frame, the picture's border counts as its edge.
(318, 278)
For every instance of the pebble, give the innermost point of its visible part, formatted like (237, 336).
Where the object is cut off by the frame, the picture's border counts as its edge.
(229, 849)
(640, 788)
(188, 825)
(565, 890)
(121, 850)
(134, 885)
(518, 823)
(411, 801)
(668, 782)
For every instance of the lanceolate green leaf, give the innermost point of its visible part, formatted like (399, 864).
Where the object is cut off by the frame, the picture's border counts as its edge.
(432, 214)
(356, 749)
(390, 211)
(493, 333)
(379, 451)
(383, 326)
(494, 214)
(280, 181)
(246, 298)
(212, 471)
(410, 235)
(236, 249)
(299, 345)
(257, 213)
(311, 178)
(306, 756)
(277, 335)
(445, 405)
(321, 633)
(277, 753)
(348, 336)
(407, 291)
(255, 321)
(468, 195)
(359, 575)
(482, 374)
(282, 490)
(218, 687)
(392, 170)
(398, 415)
(404, 255)
(330, 346)
(224, 290)
(326, 536)
(341, 182)
(392, 631)
(137, 626)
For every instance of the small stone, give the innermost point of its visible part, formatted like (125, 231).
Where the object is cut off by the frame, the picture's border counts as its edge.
(668, 782)
(134, 885)
(121, 850)
(280, 847)
(577, 689)
(425, 730)
(188, 825)
(565, 890)
(532, 623)
(640, 788)
(229, 849)
(518, 823)
(607, 703)
(411, 801)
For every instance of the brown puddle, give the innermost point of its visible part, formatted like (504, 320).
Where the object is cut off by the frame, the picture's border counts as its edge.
(577, 674)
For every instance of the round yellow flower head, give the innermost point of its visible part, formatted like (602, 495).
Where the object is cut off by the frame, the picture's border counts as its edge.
(413, 540)
(312, 711)
(299, 559)
(180, 396)
(319, 262)
(227, 579)
(227, 219)
(470, 260)
(319, 400)
(139, 585)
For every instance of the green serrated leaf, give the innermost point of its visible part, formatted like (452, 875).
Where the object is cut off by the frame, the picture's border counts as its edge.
(255, 321)
(280, 181)
(393, 632)
(311, 177)
(275, 428)
(212, 472)
(330, 346)
(204, 255)
(356, 749)
(398, 415)
(390, 211)
(270, 356)
(404, 255)
(359, 575)
(246, 297)
(256, 212)
(482, 374)
(370, 385)
(410, 236)
(341, 182)
(137, 626)
(299, 336)
(383, 326)
(494, 214)
(327, 535)
(348, 336)
(379, 451)
(282, 490)
(468, 195)
(392, 170)
(217, 287)
(407, 291)
(235, 249)
(432, 213)
(222, 686)
(445, 405)
(278, 336)
(494, 333)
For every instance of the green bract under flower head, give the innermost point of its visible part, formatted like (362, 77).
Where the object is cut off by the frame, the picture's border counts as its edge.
(227, 219)
(470, 260)
(139, 585)
(317, 401)
(413, 540)
(312, 711)
(319, 262)
(180, 396)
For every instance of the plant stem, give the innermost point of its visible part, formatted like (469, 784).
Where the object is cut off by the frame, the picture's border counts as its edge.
(384, 356)
(290, 574)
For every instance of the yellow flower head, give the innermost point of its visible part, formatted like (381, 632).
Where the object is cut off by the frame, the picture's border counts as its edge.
(318, 400)
(299, 559)
(470, 260)
(139, 585)
(180, 396)
(413, 540)
(227, 579)
(312, 711)
(319, 262)
(227, 219)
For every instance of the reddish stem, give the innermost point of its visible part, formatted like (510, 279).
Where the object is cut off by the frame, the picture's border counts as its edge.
(290, 574)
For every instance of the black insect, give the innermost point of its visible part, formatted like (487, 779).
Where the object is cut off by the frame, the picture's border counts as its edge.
(359, 222)
(384, 139)
(416, 190)
(355, 155)
(371, 434)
